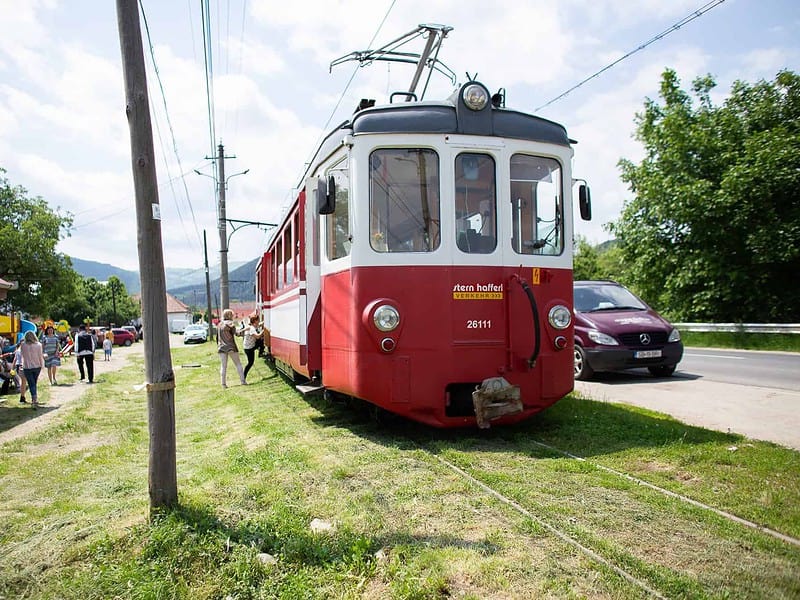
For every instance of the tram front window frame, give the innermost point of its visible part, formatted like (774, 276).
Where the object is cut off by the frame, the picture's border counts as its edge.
(537, 205)
(337, 224)
(404, 200)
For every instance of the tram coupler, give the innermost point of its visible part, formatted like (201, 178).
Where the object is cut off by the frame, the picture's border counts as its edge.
(494, 398)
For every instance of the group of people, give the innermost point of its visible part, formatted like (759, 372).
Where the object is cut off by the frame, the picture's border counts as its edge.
(227, 332)
(25, 363)
(23, 366)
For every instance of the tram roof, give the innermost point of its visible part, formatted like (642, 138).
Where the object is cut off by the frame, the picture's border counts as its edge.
(449, 116)
(444, 117)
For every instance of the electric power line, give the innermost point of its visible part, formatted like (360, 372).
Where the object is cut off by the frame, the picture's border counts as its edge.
(691, 17)
(209, 74)
(344, 91)
(171, 131)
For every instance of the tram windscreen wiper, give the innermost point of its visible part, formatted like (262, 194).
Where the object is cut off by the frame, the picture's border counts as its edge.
(602, 308)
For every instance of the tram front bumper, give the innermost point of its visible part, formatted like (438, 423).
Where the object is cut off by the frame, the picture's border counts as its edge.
(494, 398)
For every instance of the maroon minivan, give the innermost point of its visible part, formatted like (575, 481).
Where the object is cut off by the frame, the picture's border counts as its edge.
(615, 330)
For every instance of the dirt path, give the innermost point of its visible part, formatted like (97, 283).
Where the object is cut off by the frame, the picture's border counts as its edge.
(64, 394)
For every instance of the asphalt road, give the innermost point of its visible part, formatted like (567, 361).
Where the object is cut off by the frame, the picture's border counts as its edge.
(756, 394)
(779, 370)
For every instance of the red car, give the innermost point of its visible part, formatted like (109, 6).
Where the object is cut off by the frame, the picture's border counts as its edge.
(122, 337)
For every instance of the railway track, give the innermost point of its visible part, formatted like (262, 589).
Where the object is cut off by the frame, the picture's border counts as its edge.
(596, 545)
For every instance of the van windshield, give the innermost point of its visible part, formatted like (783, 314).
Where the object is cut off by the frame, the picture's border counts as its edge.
(606, 297)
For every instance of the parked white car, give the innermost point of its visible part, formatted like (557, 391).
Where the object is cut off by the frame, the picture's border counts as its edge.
(195, 333)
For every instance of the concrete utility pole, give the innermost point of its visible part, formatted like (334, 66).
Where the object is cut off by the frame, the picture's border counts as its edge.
(162, 476)
(223, 233)
(222, 221)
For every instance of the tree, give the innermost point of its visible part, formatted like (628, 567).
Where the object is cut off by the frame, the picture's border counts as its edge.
(598, 262)
(29, 233)
(108, 302)
(713, 230)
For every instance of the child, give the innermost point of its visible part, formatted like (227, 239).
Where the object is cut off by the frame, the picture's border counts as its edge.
(107, 345)
(23, 384)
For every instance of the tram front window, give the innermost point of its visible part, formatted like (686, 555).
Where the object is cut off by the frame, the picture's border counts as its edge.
(404, 200)
(536, 205)
(475, 203)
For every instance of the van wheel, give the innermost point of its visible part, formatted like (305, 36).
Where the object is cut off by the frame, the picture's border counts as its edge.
(582, 369)
(127, 342)
(662, 370)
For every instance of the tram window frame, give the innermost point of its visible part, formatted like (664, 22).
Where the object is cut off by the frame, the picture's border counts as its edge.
(288, 255)
(296, 253)
(528, 205)
(279, 275)
(407, 229)
(475, 218)
(338, 231)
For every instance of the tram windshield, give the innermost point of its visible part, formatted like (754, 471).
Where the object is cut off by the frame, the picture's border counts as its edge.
(404, 200)
(537, 205)
(475, 203)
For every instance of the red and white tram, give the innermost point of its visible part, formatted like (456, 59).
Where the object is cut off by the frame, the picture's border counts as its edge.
(426, 267)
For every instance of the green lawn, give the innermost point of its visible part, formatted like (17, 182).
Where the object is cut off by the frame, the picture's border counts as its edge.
(257, 464)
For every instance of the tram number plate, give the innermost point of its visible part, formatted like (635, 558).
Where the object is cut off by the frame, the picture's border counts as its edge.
(647, 354)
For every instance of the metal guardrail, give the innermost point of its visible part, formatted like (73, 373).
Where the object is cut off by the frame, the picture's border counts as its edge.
(740, 327)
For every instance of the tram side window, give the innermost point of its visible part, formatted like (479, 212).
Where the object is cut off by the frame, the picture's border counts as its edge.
(537, 206)
(337, 225)
(279, 275)
(288, 255)
(475, 203)
(297, 237)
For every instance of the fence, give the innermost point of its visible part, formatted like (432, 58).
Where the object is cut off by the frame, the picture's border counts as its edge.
(741, 327)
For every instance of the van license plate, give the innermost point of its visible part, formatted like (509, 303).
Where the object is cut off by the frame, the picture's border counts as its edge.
(647, 354)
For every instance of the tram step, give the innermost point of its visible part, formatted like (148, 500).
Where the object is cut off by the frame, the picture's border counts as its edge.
(310, 388)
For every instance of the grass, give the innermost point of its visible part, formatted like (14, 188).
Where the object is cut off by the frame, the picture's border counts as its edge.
(258, 464)
(781, 342)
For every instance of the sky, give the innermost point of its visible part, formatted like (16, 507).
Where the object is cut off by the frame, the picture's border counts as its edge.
(64, 135)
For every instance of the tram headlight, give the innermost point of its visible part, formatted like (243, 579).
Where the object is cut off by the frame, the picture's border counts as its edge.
(559, 317)
(475, 97)
(386, 317)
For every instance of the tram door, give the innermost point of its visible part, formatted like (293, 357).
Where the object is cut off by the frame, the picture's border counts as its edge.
(311, 305)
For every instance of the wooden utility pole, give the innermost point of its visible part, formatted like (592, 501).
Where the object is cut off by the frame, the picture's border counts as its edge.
(162, 476)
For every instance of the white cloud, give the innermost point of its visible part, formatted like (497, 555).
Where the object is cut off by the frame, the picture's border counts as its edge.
(63, 132)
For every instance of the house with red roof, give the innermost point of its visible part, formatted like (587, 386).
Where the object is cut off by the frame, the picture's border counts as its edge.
(178, 314)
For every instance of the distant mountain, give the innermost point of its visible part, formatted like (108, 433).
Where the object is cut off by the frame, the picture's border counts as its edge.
(241, 287)
(176, 278)
(102, 271)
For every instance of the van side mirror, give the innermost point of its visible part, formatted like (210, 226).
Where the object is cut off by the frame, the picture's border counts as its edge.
(585, 202)
(326, 196)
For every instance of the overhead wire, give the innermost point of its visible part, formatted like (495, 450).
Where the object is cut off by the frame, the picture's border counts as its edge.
(687, 19)
(172, 135)
(209, 76)
(191, 27)
(240, 69)
(344, 91)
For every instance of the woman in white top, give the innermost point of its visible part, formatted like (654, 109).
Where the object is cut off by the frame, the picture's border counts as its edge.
(32, 363)
(251, 337)
(226, 332)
